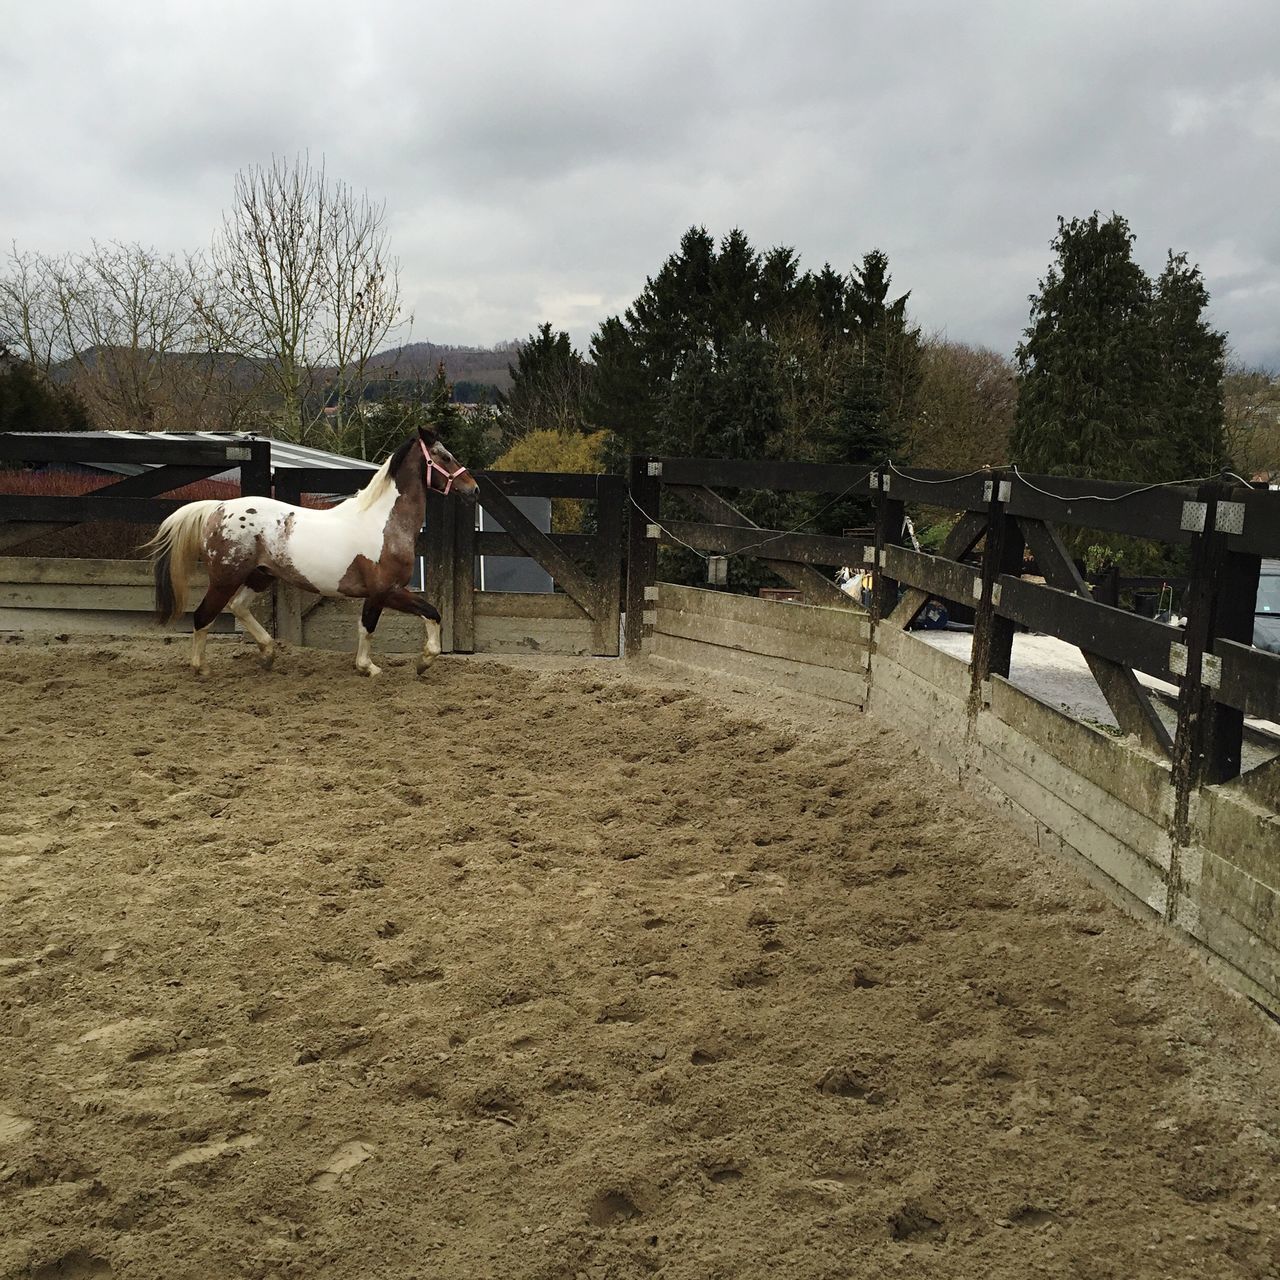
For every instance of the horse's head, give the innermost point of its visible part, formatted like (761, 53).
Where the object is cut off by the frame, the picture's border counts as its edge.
(442, 471)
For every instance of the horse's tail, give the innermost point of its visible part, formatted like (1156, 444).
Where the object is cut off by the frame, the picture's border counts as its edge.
(174, 552)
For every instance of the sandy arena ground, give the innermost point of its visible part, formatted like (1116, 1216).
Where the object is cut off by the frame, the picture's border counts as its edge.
(550, 970)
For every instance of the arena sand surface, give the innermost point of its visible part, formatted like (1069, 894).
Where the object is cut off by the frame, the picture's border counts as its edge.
(552, 970)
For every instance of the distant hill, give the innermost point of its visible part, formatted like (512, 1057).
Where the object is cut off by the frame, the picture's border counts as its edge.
(419, 360)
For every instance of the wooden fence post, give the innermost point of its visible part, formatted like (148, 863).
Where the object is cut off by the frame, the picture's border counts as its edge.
(611, 498)
(1220, 604)
(1001, 553)
(255, 471)
(645, 510)
(438, 553)
(890, 519)
(464, 575)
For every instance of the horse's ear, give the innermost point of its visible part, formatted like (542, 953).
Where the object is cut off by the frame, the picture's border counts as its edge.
(427, 436)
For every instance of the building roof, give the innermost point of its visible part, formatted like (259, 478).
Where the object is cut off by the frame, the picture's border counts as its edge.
(283, 452)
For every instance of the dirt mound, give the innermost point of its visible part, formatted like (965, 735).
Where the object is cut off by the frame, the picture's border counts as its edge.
(561, 971)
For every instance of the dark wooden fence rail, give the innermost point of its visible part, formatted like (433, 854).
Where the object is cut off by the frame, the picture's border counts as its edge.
(173, 464)
(1003, 513)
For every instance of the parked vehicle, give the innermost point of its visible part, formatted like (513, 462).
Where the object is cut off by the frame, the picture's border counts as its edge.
(1266, 611)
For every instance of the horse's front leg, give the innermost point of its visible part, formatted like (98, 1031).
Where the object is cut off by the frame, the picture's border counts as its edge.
(414, 602)
(365, 628)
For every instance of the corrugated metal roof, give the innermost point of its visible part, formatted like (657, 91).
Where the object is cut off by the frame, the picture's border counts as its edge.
(283, 452)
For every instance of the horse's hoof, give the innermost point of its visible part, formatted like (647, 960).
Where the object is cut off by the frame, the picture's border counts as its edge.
(267, 659)
(424, 663)
(370, 670)
(200, 672)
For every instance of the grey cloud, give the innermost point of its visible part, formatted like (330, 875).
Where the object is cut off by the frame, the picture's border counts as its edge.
(535, 158)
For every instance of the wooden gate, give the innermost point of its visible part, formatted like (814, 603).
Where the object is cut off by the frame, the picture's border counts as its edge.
(582, 616)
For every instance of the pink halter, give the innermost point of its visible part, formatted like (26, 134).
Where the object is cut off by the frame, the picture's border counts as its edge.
(433, 465)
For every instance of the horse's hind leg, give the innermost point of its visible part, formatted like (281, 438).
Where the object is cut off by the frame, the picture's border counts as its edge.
(369, 616)
(257, 581)
(417, 604)
(215, 600)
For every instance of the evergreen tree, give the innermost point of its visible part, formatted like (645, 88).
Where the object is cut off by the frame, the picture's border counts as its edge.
(471, 437)
(1192, 364)
(550, 388)
(1088, 363)
(30, 402)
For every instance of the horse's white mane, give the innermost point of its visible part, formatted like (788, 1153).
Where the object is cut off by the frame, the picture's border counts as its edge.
(377, 486)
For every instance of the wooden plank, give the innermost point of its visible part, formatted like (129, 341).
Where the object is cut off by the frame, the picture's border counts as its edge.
(963, 537)
(1130, 703)
(89, 595)
(1242, 950)
(1138, 779)
(1240, 828)
(537, 544)
(931, 575)
(779, 477)
(754, 638)
(15, 533)
(30, 569)
(798, 677)
(83, 510)
(527, 604)
(104, 622)
(1250, 677)
(1254, 904)
(817, 586)
(847, 625)
(581, 546)
(292, 482)
(1261, 533)
(944, 671)
(1120, 507)
(1124, 865)
(1098, 628)
(725, 539)
(1099, 805)
(575, 637)
(939, 488)
(547, 484)
(96, 446)
(331, 625)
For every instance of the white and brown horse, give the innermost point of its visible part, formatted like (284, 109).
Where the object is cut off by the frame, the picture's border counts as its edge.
(363, 548)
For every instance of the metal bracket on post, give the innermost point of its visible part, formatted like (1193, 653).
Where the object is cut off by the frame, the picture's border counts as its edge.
(875, 480)
(977, 588)
(1229, 517)
(1193, 516)
(650, 593)
(1002, 494)
(1210, 665)
(653, 531)
(655, 468)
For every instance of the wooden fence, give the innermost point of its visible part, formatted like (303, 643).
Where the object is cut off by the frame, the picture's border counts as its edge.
(1167, 818)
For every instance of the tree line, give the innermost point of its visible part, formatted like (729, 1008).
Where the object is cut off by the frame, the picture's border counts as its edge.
(727, 350)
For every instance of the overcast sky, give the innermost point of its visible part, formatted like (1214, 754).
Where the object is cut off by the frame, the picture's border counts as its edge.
(539, 160)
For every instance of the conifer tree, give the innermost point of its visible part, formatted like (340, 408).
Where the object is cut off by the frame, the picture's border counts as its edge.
(1088, 364)
(1192, 364)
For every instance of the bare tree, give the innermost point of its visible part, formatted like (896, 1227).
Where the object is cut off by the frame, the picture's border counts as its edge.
(363, 292)
(30, 322)
(130, 332)
(964, 407)
(1251, 417)
(303, 266)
